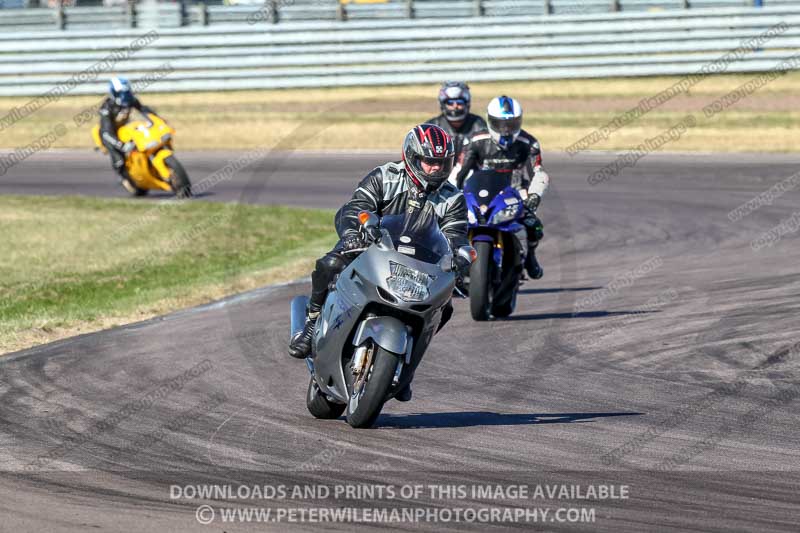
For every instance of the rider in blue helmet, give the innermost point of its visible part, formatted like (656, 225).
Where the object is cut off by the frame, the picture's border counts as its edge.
(114, 112)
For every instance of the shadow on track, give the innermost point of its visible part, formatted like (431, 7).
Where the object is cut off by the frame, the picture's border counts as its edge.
(164, 195)
(584, 314)
(465, 419)
(558, 289)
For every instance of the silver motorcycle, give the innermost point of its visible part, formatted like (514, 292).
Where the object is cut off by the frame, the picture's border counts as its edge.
(380, 317)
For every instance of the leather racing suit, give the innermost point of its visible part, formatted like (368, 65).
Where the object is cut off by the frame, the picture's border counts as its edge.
(524, 158)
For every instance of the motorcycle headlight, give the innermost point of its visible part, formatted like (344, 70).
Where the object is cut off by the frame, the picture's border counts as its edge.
(471, 217)
(407, 283)
(505, 215)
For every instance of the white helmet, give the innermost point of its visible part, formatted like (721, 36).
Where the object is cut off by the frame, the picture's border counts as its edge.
(505, 120)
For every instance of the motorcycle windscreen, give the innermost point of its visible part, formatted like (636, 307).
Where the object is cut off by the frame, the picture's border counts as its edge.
(486, 184)
(417, 234)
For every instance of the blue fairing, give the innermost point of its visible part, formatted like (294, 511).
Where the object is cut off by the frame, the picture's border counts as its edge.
(492, 189)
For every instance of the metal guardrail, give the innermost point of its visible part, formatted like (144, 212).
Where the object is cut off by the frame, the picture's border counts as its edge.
(396, 51)
(274, 11)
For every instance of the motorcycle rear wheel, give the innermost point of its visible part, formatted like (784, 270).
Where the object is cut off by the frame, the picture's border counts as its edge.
(319, 406)
(365, 406)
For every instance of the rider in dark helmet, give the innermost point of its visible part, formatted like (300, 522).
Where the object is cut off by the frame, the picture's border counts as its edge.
(455, 119)
(506, 147)
(114, 112)
(418, 182)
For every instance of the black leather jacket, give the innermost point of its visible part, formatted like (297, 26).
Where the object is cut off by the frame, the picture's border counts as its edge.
(483, 153)
(388, 190)
(472, 124)
(110, 121)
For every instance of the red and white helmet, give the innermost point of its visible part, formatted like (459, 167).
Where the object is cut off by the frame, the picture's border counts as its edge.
(431, 145)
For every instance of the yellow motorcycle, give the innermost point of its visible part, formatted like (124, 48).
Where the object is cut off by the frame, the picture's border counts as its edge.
(152, 165)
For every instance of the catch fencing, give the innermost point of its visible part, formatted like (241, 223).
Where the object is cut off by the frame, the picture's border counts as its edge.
(131, 14)
(401, 51)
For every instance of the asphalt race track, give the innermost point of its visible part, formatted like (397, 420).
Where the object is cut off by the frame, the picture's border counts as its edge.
(659, 352)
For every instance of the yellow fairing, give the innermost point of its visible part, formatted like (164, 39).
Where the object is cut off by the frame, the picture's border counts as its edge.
(160, 165)
(147, 164)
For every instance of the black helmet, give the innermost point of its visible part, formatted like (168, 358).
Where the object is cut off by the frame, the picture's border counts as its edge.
(431, 146)
(450, 95)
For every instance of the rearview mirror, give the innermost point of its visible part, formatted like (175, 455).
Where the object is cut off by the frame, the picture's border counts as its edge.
(446, 263)
(468, 254)
(370, 222)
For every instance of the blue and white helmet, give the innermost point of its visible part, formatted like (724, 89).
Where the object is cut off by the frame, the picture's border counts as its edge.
(121, 91)
(505, 120)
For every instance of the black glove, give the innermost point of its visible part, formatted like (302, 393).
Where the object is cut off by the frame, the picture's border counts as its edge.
(532, 201)
(353, 241)
(461, 266)
(372, 234)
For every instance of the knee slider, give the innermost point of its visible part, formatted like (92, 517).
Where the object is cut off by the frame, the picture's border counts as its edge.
(330, 263)
(538, 230)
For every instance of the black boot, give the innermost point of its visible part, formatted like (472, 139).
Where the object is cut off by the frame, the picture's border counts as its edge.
(404, 395)
(300, 345)
(126, 181)
(532, 266)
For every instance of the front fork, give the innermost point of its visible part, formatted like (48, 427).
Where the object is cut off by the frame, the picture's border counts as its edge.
(497, 251)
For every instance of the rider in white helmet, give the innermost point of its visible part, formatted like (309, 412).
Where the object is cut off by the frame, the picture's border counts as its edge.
(506, 147)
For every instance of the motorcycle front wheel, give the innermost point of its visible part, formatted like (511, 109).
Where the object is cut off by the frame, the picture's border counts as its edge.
(367, 401)
(480, 282)
(179, 181)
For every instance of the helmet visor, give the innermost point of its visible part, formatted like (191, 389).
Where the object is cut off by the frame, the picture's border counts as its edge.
(506, 126)
(436, 166)
(433, 169)
(124, 99)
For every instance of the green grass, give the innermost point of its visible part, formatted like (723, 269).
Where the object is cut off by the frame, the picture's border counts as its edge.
(76, 264)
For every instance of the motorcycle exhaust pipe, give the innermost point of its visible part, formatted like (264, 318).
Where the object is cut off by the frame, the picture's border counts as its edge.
(299, 304)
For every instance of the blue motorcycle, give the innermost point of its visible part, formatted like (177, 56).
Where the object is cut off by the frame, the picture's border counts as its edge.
(495, 211)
